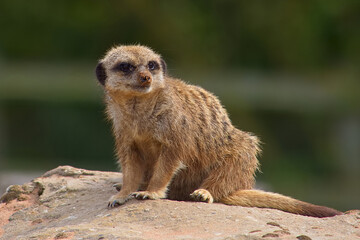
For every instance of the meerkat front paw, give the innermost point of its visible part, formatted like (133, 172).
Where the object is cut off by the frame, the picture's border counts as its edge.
(202, 195)
(118, 200)
(141, 195)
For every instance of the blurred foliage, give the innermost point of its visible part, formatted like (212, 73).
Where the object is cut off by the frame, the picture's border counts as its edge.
(280, 35)
(286, 70)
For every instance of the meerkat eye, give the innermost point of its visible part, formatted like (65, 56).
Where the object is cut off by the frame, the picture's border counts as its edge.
(152, 65)
(124, 67)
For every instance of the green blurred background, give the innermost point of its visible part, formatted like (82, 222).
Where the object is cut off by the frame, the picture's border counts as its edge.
(287, 71)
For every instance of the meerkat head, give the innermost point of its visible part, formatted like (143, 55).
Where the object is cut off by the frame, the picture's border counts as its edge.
(133, 70)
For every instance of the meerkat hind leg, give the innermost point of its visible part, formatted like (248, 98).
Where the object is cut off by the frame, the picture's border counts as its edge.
(202, 195)
(220, 182)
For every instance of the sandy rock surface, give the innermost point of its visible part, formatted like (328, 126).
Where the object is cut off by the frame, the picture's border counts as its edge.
(71, 203)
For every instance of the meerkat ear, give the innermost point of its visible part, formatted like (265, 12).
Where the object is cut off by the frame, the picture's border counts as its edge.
(163, 66)
(100, 73)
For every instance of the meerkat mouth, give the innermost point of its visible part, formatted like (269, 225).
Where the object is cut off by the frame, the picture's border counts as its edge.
(140, 88)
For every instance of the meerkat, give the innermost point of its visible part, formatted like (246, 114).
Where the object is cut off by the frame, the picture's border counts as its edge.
(175, 140)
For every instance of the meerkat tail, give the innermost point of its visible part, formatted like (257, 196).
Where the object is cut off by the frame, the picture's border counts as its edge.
(261, 199)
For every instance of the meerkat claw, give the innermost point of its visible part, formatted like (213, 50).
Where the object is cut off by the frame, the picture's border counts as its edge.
(113, 204)
(144, 195)
(117, 186)
(117, 200)
(140, 195)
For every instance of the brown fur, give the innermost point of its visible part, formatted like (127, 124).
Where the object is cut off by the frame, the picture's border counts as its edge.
(176, 141)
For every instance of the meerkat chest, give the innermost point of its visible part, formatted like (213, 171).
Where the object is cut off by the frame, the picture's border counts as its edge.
(134, 121)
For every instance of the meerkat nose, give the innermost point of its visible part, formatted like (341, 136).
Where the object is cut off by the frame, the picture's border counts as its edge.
(144, 78)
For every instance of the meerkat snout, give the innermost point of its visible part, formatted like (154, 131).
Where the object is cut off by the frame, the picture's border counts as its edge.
(144, 79)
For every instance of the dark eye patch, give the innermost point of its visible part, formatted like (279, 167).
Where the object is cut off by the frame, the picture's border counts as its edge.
(124, 67)
(153, 65)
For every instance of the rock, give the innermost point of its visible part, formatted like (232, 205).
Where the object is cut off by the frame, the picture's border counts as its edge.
(71, 203)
